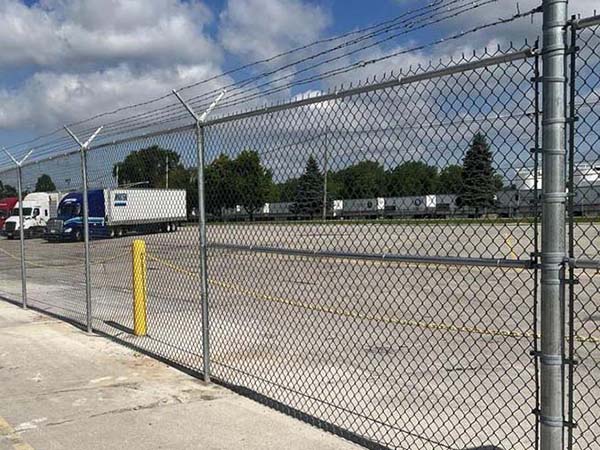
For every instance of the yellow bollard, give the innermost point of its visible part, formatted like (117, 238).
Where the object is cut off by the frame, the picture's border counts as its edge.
(138, 250)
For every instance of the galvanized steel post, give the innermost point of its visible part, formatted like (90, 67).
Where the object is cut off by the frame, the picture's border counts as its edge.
(202, 229)
(553, 224)
(203, 255)
(83, 147)
(22, 237)
(19, 165)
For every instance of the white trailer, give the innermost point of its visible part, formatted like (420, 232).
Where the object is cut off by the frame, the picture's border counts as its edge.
(125, 207)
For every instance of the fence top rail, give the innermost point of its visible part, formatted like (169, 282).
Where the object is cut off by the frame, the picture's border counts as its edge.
(399, 81)
(587, 22)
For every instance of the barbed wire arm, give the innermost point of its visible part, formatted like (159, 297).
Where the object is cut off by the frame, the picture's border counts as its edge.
(85, 145)
(18, 163)
(204, 115)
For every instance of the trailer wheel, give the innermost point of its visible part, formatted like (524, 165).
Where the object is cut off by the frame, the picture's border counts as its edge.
(119, 232)
(112, 233)
(174, 227)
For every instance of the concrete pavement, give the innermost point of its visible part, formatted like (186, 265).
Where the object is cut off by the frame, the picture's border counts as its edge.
(63, 389)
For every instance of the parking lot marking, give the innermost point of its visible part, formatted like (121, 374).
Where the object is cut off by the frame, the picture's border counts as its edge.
(344, 313)
(16, 440)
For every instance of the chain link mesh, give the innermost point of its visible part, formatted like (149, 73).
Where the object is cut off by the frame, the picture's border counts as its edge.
(408, 354)
(582, 316)
(371, 257)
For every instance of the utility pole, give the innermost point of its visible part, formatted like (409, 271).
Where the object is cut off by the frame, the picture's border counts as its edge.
(167, 172)
(325, 169)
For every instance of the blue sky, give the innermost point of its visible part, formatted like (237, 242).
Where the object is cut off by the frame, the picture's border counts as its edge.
(65, 60)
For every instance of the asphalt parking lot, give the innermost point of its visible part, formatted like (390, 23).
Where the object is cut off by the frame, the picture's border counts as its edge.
(408, 354)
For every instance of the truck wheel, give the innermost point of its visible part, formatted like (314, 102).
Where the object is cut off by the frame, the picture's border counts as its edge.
(111, 233)
(120, 232)
(174, 227)
(78, 236)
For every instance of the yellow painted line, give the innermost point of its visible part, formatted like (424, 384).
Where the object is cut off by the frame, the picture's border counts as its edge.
(15, 438)
(344, 313)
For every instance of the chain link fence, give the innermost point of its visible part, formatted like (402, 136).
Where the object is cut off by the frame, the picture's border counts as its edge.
(583, 402)
(371, 253)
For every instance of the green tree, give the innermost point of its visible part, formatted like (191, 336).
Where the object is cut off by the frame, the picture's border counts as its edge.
(285, 191)
(6, 190)
(45, 184)
(412, 178)
(150, 165)
(480, 182)
(253, 182)
(221, 190)
(451, 180)
(365, 179)
(308, 198)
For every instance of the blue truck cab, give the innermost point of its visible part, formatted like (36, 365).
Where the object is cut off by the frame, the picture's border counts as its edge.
(68, 225)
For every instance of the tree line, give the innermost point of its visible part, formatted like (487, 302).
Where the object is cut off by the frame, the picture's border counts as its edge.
(44, 183)
(243, 181)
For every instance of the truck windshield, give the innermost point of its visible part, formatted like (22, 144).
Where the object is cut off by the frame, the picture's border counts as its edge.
(26, 211)
(69, 210)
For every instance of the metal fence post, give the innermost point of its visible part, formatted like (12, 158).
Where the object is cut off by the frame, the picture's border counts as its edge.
(325, 177)
(22, 237)
(86, 228)
(203, 270)
(553, 224)
(19, 165)
(202, 229)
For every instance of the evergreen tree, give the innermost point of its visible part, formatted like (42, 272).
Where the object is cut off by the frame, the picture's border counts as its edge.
(308, 201)
(480, 181)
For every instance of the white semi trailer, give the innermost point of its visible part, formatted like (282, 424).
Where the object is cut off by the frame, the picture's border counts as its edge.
(114, 212)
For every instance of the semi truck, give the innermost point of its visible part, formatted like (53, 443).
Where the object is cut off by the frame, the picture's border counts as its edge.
(116, 212)
(38, 207)
(6, 206)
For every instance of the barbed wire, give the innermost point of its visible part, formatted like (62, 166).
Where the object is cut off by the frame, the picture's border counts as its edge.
(156, 118)
(240, 85)
(436, 3)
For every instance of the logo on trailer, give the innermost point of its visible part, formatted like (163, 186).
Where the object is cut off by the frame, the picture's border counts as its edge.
(121, 199)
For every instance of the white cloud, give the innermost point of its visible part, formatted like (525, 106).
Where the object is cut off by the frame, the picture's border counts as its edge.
(255, 29)
(49, 99)
(58, 32)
